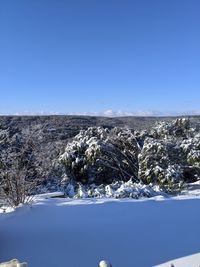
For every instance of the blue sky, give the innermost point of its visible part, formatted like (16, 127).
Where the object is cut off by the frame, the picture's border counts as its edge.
(89, 56)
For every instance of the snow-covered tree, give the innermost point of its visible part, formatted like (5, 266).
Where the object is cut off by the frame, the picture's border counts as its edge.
(171, 154)
(23, 165)
(99, 155)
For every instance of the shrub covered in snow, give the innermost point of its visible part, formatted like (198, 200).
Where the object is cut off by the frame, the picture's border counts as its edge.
(160, 162)
(167, 154)
(171, 154)
(24, 165)
(179, 128)
(117, 189)
(99, 155)
(191, 148)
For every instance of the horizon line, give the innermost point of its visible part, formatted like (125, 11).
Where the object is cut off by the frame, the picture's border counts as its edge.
(107, 113)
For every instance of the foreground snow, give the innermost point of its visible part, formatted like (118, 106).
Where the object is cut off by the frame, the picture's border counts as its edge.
(189, 261)
(66, 232)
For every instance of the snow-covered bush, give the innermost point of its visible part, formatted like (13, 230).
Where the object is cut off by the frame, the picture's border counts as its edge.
(22, 164)
(171, 155)
(191, 148)
(118, 189)
(194, 158)
(179, 128)
(99, 155)
(160, 162)
(167, 154)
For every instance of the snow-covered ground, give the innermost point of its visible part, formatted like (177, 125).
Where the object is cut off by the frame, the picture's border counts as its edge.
(189, 261)
(67, 232)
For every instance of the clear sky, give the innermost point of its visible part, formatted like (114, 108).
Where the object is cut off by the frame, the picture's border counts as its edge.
(95, 55)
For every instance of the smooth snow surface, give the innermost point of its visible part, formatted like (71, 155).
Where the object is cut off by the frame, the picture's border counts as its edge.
(189, 261)
(80, 233)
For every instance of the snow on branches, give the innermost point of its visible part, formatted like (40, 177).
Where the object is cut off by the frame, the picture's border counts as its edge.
(99, 155)
(168, 153)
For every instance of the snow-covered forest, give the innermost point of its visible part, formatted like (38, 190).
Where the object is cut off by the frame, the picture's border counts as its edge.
(99, 161)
